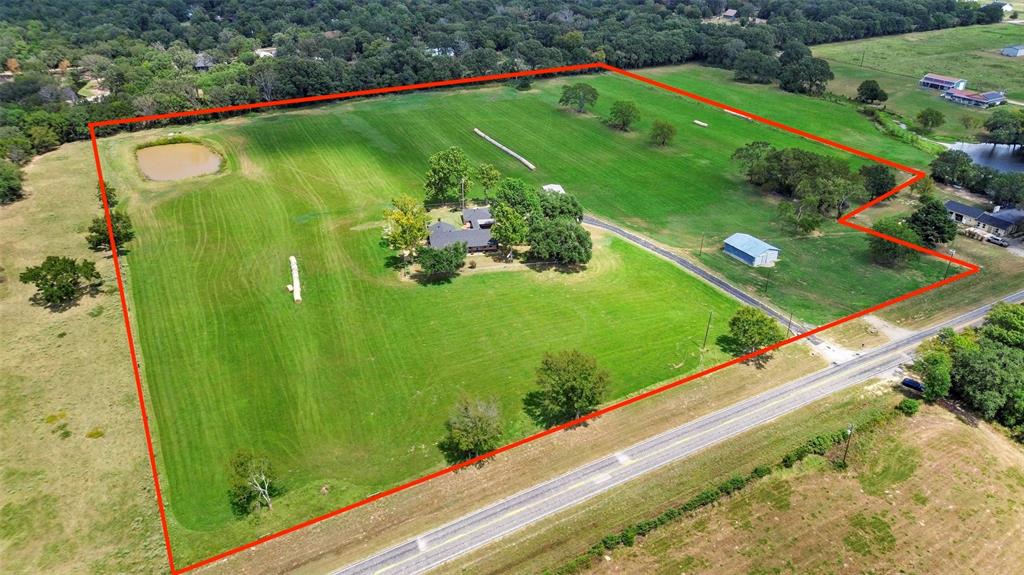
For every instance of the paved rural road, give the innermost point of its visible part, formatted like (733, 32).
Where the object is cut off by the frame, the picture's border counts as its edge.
(714, 280)
(471, 531)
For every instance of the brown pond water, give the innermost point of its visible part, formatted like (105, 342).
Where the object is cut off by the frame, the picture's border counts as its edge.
(177, 161)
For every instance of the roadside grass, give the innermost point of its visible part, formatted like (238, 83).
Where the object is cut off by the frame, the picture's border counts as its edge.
(856, 335)
(75, 491)
(898, 62)
(569, 533)
(350, 389)
(950, 475)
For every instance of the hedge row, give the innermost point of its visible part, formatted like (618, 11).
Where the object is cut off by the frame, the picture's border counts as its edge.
(818, 445)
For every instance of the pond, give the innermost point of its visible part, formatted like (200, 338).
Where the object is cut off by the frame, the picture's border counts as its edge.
(177, 161)
(1002, 157)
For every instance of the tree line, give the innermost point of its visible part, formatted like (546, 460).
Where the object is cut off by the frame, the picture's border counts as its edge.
(146, 53)
(981, 367)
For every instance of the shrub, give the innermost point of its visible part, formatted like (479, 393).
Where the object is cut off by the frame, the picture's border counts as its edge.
(908, 407)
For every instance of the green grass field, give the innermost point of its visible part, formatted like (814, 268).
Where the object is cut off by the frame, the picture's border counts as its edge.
(351, 387)
(898, 62)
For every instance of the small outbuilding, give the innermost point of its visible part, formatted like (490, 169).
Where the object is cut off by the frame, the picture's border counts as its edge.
(554, 188)
(751, 250)
(943, 83)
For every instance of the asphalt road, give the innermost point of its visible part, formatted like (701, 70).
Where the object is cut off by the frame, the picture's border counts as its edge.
(476, 529)
(796, 327)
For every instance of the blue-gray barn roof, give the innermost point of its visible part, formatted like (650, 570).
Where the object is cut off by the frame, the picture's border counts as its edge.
(748, 244)
(964, 209)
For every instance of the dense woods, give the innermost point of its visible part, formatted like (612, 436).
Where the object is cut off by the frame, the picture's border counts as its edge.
(70, 63)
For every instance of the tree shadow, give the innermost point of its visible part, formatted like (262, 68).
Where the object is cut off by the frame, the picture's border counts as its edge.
(537, 410)
(91, 290)
(731, 346)
(453, 455)
(541, 267)
(425, 279)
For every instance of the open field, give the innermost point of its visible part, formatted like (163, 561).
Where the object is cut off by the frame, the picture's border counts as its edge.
(81, 503)
(350, 389)
(921, 496)
(898, 62)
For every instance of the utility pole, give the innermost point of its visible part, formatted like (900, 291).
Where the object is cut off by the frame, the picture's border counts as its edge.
(948, 263)
(701, 252)
(462, 185)
(849, 436)
(789, 324)
(767, 278)
(707, 331)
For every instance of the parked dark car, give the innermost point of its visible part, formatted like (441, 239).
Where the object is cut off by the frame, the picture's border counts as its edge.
(997, 241)
(913, 384)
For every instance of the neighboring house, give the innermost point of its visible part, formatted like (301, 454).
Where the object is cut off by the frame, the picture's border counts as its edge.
(751, 250)
(1008, 8)
(977, 99)
(729, 14)
(1013, 51)
(939, 82)
(203, 62)
(998, 222)
(477, 236)
(439, 52)
(554, 188)
(268, 52)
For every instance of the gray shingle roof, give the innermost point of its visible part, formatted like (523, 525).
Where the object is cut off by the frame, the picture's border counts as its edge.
(476, 216)
(442, 235)
(964, 209)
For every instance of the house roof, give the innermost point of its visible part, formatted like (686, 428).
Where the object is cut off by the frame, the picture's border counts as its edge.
(204, 60)
(748, 244)
(984, 97)
(554, 188)
(964, 209)
(443, 235)
(940, 79)
(729, 12)
(995, 221)
(477, 215)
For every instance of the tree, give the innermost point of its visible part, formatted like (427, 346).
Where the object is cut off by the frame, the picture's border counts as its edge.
(554, 206)
(520, 197)
(931, 221)
(870, 91)
(447, 176)
(253, 483)
(474, 428)
(662, 133)
(578, 96)
(908, 406)
(1006, 189)
(953, 167)
(111, 192)
(930, 118)
(10, 182)
(624, 113)
(756, 67)
(510, 228)
(488, 176)
(1005, 324)
(442, 262)
(43, 138)
(1006, 126)
(98, 237)
(751, 329)
(570, 386)
(878, 179)
(59, 280)
(801, 215)
(887, 252)
(405, 225)
(560, 240)
(793, 51)
(934, 365)
(806, 76)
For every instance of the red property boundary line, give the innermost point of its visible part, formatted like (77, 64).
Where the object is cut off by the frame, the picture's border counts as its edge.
(845, 220)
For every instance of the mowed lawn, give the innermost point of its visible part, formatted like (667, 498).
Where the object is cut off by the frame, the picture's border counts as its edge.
(350, 389)
(898, 62)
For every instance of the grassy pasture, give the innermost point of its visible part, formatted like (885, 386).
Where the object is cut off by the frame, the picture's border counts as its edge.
(350, 388)
(898, 62)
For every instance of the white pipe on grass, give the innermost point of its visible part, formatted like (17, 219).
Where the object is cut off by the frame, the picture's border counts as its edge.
(296, 288)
